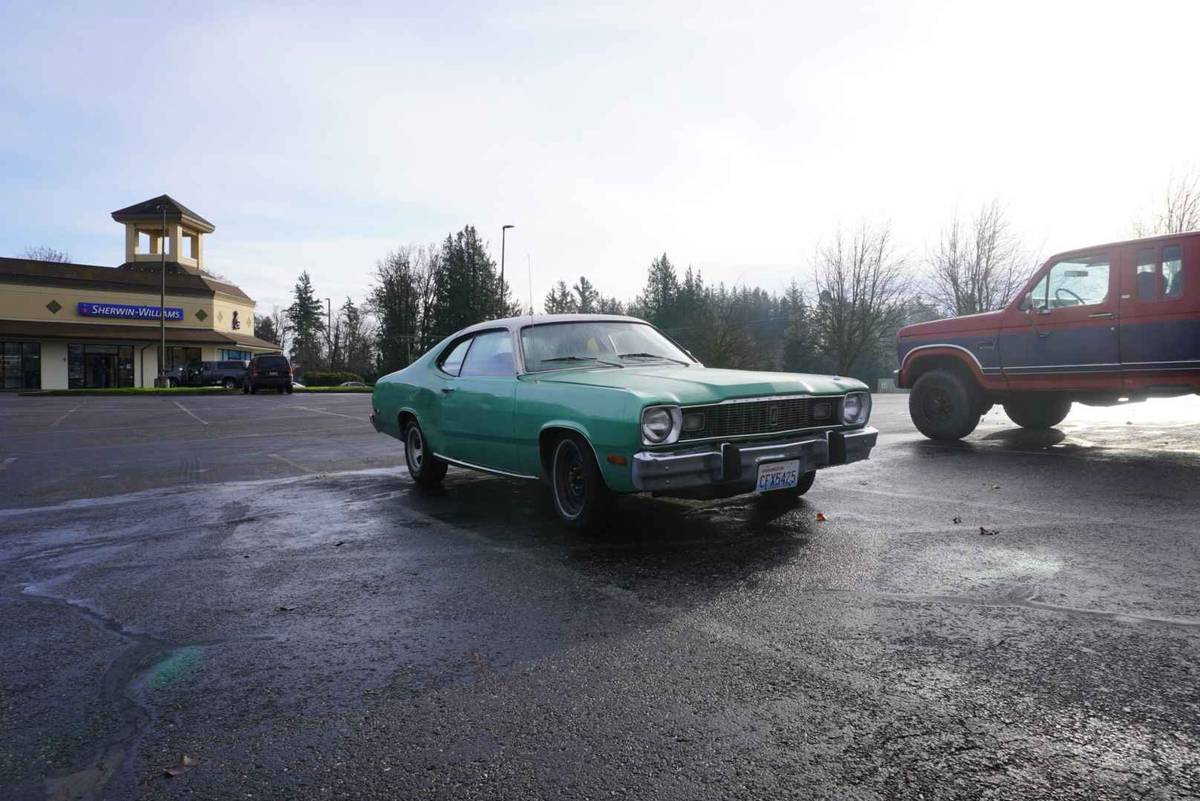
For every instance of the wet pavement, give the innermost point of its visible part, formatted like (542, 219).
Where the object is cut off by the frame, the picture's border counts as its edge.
(254, 583)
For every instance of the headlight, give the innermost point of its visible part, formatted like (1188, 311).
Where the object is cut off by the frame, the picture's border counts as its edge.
(661, 424)
(856, 408)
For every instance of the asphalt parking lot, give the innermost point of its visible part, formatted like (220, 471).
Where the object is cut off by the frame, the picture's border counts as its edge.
(252, 582)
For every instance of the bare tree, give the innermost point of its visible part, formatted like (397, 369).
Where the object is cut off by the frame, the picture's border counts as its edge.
(862, 285)
(43, 253)
(1180, 209)
(976, 266)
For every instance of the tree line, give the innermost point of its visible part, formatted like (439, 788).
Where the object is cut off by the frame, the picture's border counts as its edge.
(842, 319)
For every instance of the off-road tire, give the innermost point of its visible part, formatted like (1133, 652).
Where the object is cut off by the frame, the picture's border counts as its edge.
(426, 469)
(1037, 411)
(943, 406)
(582, 500)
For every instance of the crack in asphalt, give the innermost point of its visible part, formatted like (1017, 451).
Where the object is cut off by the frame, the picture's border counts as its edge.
(144, 652)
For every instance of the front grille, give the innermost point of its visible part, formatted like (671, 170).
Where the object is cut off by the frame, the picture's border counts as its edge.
(746, 418)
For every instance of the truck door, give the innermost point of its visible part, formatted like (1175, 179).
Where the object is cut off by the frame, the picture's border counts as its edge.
(1066, 334)
(1160, 316)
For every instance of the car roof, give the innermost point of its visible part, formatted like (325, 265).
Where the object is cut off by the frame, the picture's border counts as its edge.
(526, 320)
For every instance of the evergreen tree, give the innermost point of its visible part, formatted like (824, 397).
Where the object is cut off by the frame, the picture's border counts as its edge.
(468, 289)
(401, 299)
(658, 297)
(357, 355)
(559, 300)
(305, 322)
(586, 296)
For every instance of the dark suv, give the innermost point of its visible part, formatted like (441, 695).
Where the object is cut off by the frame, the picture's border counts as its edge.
(229, 374)
(272, 371)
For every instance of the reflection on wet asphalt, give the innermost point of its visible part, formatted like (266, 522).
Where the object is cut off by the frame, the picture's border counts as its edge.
(332, 631)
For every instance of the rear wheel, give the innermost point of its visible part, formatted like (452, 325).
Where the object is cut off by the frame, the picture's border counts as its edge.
(425, 468)
(1038, 411)
(581, 498)
(288, 390)
(228, 384)
(942, 406)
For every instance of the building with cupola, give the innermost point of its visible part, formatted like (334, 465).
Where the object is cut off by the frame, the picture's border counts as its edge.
(76, 326)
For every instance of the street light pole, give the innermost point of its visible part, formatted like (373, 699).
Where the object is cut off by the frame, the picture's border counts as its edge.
(503, 233)
(162, 298)
(329, 330)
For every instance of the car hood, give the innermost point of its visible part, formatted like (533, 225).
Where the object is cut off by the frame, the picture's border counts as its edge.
(987, 321)
(692, 385)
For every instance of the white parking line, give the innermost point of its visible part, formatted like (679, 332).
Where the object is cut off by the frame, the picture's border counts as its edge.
(288, 461)
(65, 416)
(357, 417)
(189, 411)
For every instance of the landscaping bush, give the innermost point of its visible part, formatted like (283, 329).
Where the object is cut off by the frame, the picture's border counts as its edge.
(327, 378)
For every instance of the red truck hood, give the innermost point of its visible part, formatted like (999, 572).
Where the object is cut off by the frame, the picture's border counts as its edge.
(986, 321)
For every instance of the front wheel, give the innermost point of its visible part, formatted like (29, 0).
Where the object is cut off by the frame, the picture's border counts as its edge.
(425, 468)
(581, 498)
(228, 384)
(942, 406)
(1038, 412)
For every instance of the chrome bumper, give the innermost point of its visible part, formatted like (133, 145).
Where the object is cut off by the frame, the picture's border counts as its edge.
(734, 466)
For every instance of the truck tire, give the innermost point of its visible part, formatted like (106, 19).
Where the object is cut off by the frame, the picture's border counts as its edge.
(1038, 411)
(943, 406)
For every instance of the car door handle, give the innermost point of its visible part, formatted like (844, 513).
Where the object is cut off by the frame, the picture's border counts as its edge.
(1043, 334)
(1101, 316)
(447, 390)
(985, 344)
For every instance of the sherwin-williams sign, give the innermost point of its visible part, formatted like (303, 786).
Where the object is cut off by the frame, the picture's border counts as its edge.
(128, 312)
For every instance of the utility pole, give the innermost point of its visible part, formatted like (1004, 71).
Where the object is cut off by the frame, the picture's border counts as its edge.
(329, 330)
(503, 232)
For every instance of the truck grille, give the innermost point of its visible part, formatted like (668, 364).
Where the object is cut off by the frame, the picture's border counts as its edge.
(766, 416)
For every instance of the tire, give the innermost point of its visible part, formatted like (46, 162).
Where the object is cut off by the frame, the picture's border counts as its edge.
(1038, 412)
(228, 384)
(582, 500)
(253, 390)
(426, 469)
(788, 497)
(943, 406)
(288, 390)
(246, 388)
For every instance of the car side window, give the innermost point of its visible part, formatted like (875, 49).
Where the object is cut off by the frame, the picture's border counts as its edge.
(452, 360)
(490, 354)
(1078, 281)
(1147, 274)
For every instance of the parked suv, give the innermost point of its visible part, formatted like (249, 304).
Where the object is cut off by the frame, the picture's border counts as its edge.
(229, 374)
(1095, 325)
(272, 371)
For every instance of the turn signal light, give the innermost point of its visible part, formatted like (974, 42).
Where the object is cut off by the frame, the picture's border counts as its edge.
(617, 459)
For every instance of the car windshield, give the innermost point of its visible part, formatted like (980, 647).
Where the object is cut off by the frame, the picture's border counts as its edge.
(601, 343)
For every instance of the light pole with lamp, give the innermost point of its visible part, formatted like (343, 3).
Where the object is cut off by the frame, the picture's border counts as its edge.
(162, 379)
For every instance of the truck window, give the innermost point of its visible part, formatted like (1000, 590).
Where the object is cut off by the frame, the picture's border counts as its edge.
(1147, 274)
(1079, 281)
(1172, 271)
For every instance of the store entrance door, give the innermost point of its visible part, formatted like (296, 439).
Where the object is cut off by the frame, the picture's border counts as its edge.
(99, 370)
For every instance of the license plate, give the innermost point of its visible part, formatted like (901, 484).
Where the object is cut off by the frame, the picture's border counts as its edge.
(273, 372)
(778, 475)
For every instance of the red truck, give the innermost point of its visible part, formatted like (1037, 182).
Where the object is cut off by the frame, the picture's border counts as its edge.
(1097, 325)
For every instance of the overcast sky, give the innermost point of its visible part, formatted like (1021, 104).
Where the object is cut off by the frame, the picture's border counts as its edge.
(733, 136)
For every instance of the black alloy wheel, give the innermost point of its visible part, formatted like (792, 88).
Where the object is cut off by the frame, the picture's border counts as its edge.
(581, 498)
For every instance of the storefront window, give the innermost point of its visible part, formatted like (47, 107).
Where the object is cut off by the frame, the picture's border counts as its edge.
(180, 357)
(99, 366)
(20, 365)
(236, 355)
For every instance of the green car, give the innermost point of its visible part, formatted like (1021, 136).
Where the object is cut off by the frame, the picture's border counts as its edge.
(600, 404)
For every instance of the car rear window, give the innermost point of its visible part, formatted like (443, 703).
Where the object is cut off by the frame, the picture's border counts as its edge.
(273, 362)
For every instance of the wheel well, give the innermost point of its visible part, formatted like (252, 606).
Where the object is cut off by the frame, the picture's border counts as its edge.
(547, 439)
(404, 419)
(951, 364)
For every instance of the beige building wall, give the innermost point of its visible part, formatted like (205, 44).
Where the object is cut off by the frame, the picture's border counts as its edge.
(28, 302)
(224, 306)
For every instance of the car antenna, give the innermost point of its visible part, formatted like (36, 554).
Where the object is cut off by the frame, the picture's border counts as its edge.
(529, 270)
